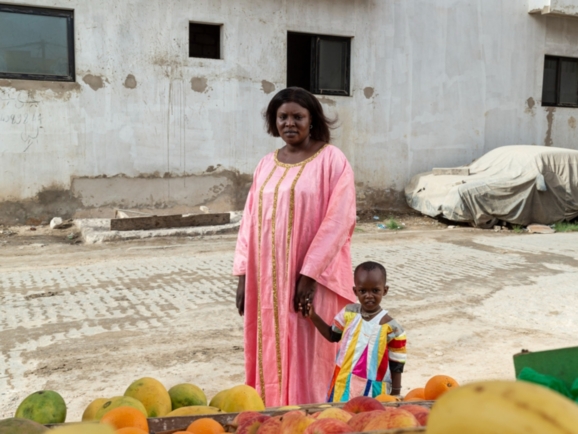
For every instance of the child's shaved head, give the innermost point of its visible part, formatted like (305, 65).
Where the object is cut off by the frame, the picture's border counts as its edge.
(370, 266)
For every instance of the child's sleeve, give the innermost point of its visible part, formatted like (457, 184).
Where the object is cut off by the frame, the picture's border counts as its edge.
(396, 344)
(339, 322)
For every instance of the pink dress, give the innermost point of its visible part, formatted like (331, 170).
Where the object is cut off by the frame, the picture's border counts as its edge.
(298, 219)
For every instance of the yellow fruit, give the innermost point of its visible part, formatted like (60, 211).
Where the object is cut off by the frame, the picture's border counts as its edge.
(242, 398)
(289, 407)
(512, 407)
(186, 395)
(84, 428)
(153, 396)
(218, 399)
(119, 401)
(90, 412)
(194, 410)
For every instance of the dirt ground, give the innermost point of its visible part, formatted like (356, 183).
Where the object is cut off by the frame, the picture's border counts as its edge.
(88, 320)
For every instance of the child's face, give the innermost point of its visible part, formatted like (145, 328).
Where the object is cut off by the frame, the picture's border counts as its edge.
(370, 288)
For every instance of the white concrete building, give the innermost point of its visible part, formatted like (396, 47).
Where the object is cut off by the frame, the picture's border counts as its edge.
(142, 124)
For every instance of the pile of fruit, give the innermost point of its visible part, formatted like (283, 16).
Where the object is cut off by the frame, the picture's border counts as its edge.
(505, 407)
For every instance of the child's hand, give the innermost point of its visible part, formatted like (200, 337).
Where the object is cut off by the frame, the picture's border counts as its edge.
(307, 310)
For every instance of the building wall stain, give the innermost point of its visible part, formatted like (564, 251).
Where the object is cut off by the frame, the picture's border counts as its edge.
(199, 84)
(130, 82)
(267, 86)
(550, 119)
(95, 82)
(368, 92)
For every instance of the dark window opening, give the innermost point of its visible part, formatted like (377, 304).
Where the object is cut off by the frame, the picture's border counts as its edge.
(318, 63)
(560, 87)
(205, 40)
(36, 43)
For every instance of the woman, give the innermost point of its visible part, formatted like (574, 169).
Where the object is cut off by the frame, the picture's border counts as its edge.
(294, 247)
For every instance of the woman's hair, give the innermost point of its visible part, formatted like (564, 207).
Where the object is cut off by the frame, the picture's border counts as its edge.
(321, 124)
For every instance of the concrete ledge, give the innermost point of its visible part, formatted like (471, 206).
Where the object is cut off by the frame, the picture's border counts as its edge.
(97, 231)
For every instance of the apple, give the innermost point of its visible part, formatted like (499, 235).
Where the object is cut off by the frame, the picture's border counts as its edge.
(420, 413)
(245, 416)
(328, 426)
(358, 421)
(335, 413)
(359, 404)
(251, 426)
(392, 418)
(295, 424)
(270, 426)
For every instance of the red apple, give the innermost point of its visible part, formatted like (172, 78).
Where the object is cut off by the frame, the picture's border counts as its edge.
(295, 423)
(359, 404)
(328, 426)
(251, 426)
(245, 416)
(420, 413)
(358, 421)
(392, 418)
(270, 426)
(335, 413)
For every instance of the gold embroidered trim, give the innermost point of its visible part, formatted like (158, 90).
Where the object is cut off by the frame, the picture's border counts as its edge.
(285, 165)
(274, 272)
(290, 224)
(259, 321)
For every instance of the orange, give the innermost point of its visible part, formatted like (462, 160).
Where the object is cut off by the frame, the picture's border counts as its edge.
(415, 393)
(126, 417)
(438, 385)
(205, 426)
(131, 430)
(387, 398)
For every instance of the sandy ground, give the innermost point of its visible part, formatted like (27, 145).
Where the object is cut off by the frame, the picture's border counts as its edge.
(88, 320)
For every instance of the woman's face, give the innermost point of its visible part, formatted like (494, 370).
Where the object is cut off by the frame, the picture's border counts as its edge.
(293, 123)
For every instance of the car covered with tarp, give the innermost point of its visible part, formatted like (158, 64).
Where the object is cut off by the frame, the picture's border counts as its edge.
(518, 184)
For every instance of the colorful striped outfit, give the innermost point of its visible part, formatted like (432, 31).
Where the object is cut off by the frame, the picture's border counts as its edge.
(369, 353)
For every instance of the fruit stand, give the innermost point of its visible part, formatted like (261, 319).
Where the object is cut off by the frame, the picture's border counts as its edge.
(169, 425)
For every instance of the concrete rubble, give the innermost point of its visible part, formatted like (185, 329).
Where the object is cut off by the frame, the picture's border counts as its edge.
(97, 231)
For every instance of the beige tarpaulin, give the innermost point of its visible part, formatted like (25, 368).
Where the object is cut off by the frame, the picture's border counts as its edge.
(520, 184)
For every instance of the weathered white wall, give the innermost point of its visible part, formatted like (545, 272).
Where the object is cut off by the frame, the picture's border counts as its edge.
(434, 82)
(556, 7)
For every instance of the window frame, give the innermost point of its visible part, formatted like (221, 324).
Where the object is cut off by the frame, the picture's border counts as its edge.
(219, 26)
(558, 60)
(315, 61)
(62, 13)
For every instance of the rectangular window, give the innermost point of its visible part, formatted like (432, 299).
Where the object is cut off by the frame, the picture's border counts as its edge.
(560, 88)
(205, 40)
(36, 43)
(318, 63)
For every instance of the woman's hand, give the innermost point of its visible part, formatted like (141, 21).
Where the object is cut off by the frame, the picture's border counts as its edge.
(304, 293)
(241, 295)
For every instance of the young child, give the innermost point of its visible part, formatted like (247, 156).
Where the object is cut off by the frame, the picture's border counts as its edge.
(372, 354)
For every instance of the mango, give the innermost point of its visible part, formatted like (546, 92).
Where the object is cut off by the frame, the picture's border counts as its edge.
(83, 428)
(44, 407)
(218, 399)
(242, 398)
(194, 410)
(152, 394)
(21, 426)
(119, 401)
(186, 395)
(90, 411)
